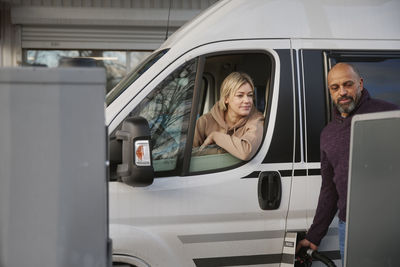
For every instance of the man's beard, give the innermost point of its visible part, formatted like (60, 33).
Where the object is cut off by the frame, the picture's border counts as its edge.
(348, 108)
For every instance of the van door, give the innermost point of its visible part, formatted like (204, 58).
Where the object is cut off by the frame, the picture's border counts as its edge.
(209, 209)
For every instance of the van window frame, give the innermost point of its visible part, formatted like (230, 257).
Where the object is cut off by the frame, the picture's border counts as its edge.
(196, 95)
(352, 56)
(285, 143)
(313, 74)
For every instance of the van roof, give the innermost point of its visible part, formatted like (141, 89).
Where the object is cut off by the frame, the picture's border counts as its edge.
(296, 19)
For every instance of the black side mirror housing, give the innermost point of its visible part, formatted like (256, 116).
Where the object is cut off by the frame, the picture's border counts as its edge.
(137, 165)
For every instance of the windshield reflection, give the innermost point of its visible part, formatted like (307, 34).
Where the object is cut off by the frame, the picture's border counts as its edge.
(133, 76)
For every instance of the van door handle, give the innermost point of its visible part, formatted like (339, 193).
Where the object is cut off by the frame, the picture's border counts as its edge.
(269, 190)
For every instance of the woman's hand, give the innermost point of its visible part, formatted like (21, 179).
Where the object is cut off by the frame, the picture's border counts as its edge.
(209, 140)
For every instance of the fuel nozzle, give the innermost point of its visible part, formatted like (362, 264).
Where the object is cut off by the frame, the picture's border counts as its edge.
(306, 255)
(303, 257)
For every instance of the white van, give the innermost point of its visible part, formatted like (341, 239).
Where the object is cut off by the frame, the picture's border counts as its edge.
(176, 208)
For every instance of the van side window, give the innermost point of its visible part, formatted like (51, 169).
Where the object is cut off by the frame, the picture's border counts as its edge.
(379, 70)
(167, 110)
(259, 67)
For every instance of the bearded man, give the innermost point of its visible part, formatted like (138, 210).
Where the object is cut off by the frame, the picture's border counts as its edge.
(349, 97)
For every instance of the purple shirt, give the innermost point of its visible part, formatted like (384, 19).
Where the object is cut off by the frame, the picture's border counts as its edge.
(335, 147)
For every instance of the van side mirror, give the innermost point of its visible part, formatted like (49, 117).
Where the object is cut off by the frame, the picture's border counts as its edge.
(136, 168)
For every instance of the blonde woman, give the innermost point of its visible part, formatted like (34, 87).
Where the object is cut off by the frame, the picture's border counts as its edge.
(233, 123)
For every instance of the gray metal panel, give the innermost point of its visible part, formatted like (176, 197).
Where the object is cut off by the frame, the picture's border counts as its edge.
(93, 37)
(373, 217)
(53, 188)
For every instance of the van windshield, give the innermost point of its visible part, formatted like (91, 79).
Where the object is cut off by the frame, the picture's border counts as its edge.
(133, 76)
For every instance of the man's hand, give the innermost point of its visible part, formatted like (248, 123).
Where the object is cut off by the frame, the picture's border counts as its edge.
(306, 243)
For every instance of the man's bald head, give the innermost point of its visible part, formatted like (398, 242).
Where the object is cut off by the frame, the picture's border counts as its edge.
(345, 86)
(343, 65)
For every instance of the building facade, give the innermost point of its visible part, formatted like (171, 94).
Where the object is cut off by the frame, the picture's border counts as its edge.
(115, 34)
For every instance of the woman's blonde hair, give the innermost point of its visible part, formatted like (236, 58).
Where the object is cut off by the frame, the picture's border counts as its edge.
(231, 84)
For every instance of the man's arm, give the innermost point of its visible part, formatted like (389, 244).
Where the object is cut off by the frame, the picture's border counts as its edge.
(326, 209)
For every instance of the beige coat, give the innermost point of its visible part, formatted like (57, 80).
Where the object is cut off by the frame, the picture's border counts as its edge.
(242, 140)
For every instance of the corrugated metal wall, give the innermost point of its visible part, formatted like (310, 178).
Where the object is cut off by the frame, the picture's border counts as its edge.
(92, 37)
(175, 4)
(91, 24)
